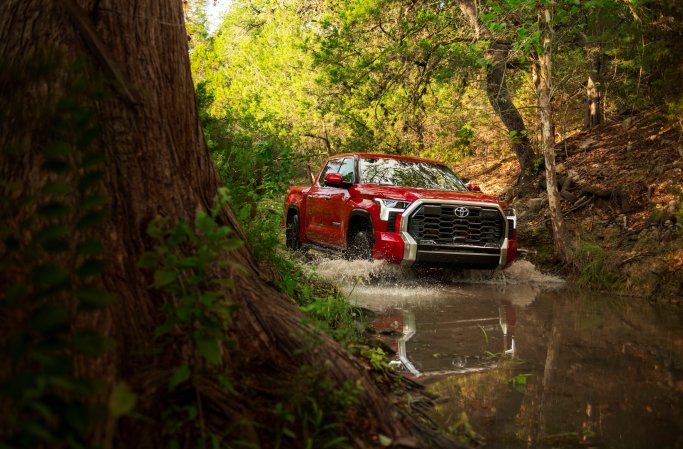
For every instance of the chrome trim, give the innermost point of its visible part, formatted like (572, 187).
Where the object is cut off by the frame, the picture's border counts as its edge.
(410, 245)
(408, 332)
(409, 248)
(504, 251)
(384, 210)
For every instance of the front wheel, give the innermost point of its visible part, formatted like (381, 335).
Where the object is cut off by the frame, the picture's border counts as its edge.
(292, 233)
(360, 246)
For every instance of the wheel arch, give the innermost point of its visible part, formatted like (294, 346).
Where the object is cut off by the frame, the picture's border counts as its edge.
(291, 210)
(359, 219)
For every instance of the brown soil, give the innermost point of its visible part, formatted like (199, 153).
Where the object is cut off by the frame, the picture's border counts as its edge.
(621, 207)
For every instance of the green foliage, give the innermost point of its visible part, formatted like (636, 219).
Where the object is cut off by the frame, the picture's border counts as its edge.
(187, 260)
(51, 259)
(595, 269)
(314, 410)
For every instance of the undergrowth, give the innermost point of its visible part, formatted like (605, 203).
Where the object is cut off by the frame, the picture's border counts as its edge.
(595, 269)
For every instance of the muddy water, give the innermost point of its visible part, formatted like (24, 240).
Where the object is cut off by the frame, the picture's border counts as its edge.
(520, 359)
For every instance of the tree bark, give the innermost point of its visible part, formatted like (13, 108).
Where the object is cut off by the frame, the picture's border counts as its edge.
(158, 164)
(497, 90)
(544, 89)
(594, 91)
(499, 96)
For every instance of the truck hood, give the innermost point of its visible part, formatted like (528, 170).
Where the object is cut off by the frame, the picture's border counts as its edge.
(414, 194)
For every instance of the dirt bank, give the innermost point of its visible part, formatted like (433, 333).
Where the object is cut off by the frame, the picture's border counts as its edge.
(622, 190)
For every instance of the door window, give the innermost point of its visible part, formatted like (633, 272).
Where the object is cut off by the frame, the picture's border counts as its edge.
(346, 170)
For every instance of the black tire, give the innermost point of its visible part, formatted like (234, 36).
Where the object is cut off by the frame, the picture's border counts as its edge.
(292, 233)
(360, 246)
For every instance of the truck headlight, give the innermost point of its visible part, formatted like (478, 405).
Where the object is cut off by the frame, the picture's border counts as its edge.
(387, 205)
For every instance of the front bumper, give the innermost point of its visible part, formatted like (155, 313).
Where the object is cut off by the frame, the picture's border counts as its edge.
(401, 247)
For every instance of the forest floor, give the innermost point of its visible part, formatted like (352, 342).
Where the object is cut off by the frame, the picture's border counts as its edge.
(622, 190)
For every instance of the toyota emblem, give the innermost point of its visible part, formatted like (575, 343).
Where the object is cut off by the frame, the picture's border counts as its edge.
(461, 212)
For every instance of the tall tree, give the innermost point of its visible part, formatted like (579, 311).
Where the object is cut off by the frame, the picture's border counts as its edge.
(157, 164)
(497, 90)
(543, 81)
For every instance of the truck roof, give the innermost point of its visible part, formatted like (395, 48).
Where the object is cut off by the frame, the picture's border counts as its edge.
(386, 156)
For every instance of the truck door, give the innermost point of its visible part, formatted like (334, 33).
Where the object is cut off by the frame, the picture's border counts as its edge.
(325, 205)
(316, 205)
(336, 199)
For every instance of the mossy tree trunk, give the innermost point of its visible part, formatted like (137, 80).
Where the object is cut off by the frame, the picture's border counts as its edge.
(157, 163)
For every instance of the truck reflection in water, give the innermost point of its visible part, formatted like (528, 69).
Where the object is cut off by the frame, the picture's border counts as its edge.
(426, 343)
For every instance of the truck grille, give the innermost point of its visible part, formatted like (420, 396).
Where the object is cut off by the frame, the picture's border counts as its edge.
(439, 223)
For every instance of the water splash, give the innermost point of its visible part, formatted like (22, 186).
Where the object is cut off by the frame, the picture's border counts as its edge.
(520, 272)
(362, 272)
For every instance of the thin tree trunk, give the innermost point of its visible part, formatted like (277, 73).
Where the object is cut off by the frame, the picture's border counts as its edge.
(544, 88)
(499, 96)
(497, 90)
(594, 91)
(158, 164)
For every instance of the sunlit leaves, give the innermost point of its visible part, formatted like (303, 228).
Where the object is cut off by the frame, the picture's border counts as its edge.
(122, 400)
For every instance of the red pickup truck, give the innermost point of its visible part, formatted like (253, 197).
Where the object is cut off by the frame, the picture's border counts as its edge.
(404, 210)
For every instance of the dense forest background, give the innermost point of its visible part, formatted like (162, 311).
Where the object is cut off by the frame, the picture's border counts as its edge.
(281, 85)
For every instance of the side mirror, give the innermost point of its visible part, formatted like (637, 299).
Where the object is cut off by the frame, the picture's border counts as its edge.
(333, 179)
(473, 188)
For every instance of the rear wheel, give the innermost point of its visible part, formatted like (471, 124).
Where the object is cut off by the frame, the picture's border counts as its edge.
(360, 246)
(292, 233)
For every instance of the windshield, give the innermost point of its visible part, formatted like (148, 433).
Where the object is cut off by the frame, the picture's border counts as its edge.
(402, 173)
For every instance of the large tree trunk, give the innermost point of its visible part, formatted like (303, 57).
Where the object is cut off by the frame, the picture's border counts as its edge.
(158, 164)
(544, 88)
(497, 90)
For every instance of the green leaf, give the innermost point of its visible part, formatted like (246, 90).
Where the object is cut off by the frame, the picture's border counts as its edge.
(51, 232)
(56, 150)
(56, 246)
(76, 414)
(56, 166)
(90, 248)
(48, 318)
(36, 430)
(148, 260)
(53, 210)
(49, 274)
(92, 298)
(385, 440)
(204, 223)
(90, 342)
(122, 400)
(93, 159)
(163, 278)
(180, 375)
(210, 349)
(178, 234)
(13, 295)
(91, 219)
(87, 137)
(89, 179)
(93, 201)
(91, 267)
(157, 226)
(164, 328)
(188, 262)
